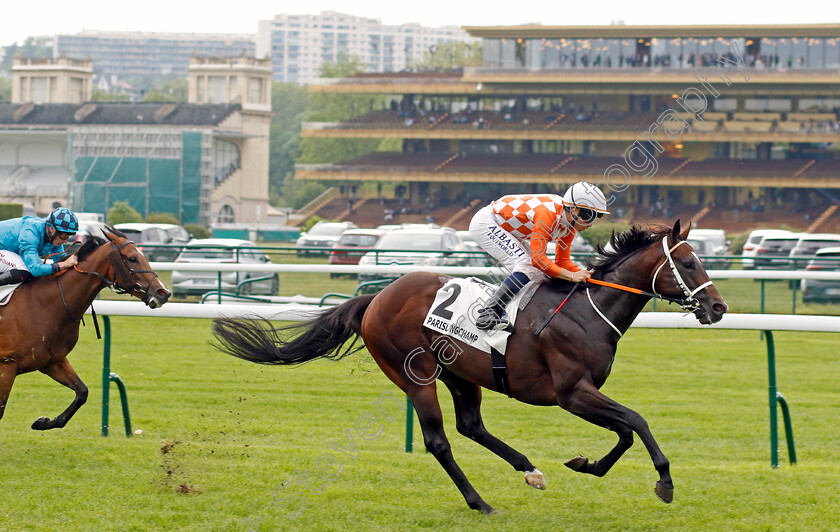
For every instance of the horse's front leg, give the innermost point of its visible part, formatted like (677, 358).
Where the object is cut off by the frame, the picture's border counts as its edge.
(590, 404)
(64, 373)
(8, 372)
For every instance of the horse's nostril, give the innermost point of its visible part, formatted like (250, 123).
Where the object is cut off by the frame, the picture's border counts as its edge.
(720, 307)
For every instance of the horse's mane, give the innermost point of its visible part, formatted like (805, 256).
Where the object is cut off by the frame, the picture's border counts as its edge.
(92, 242)
(623, 244)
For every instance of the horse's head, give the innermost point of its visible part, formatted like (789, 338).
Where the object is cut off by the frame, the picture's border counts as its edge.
(679, 274)
(131, 272)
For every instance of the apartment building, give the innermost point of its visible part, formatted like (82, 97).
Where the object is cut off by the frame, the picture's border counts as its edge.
(300, 44)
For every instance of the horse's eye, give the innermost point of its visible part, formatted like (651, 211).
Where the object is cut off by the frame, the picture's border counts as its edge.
(132, 259)
(688, 264)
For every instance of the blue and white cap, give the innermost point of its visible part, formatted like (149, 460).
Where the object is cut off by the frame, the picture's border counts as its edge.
(64, 220)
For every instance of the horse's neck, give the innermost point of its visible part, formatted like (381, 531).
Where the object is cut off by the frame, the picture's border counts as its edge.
(621, 307)
(80, 292)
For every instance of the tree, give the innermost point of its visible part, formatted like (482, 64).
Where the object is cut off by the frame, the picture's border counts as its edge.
(334, 107)
(449, 56)
(162, 218)
(344, 66)
(5, 90)
(288, 103)
(121, 212)
(172, 91)
(34, 48)
(104, 96)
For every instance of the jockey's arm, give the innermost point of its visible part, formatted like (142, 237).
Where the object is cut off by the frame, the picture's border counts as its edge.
(563, 259)
(29, 240)
(540, 237)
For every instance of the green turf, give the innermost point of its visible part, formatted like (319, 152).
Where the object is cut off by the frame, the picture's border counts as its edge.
(233, 431)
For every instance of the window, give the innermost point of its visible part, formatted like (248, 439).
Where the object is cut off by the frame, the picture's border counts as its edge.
(226, 214)
(39, 90)
(255, 90)
(217, 89)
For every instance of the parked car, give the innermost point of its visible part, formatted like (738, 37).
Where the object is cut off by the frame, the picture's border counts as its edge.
(149, 238)
(414, 247)
(809, 244)
(175, 233)
(708, 250)
(352, 244)
(88, 228)
(774, 251)
(225, 250)
(751, 246)
(825, 259)
(321, 235)
(720, 245)
(479, 259)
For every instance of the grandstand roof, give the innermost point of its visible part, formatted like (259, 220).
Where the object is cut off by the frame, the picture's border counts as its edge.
(114, 113)
(538, 31)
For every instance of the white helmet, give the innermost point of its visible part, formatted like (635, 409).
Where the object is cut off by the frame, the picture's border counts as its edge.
(586, 196)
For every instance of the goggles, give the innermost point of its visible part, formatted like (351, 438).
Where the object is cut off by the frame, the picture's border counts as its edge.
(588, 215)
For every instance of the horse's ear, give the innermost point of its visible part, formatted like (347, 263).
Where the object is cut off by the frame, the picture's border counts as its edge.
(675, 232)
(685, 231)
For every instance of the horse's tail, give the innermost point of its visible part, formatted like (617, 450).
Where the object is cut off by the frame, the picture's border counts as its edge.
(256, 340)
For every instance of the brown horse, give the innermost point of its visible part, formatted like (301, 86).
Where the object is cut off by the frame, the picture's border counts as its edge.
(565, 364)
(40, 325)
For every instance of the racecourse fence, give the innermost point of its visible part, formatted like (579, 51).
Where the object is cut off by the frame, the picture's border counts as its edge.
(300, 312)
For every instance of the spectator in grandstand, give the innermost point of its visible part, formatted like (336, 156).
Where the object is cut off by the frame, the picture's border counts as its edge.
(516, 230)
(23, 241)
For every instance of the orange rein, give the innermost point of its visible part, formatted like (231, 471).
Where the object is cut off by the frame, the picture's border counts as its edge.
(616, 286)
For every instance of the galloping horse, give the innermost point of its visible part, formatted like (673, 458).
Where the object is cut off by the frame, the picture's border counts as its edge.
(40, 325)
(565, 364)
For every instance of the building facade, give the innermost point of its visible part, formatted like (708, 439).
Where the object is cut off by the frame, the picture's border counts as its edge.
(148, 56)
(728, 121)
(300, 44)
(203, 161)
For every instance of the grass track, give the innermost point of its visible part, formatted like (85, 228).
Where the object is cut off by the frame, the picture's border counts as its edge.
(236, 430)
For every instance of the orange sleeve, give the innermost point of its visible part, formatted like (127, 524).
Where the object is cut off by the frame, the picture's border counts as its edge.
(540, 237)
(562, 257)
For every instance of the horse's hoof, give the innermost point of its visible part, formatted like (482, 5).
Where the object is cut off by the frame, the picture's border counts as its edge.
(666, 495)
(483, 507)
(41, 423)
(535, 479)
(577, 463)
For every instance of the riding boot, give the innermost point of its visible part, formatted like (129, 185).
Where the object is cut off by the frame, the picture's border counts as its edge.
(493, 315)
(14, 276)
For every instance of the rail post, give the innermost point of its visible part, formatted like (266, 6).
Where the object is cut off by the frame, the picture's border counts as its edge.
(409, 425)
(775, 399)
(107, 378)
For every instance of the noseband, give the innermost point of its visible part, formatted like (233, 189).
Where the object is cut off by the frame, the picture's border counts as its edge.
(690, 303)
(123, 282)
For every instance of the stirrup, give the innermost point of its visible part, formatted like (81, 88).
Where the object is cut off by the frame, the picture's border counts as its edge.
(489, 319)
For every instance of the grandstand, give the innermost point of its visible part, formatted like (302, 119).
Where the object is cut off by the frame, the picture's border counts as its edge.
(742, 121)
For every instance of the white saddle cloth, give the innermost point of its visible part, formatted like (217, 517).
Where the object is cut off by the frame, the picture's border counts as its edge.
(456, 307)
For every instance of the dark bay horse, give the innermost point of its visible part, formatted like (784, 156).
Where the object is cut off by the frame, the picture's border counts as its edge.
(40, 325)
(565, 364)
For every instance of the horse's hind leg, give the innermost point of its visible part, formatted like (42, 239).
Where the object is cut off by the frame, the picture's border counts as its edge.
(590, 404)
(431, 422)
(467, 399)
(64, 373)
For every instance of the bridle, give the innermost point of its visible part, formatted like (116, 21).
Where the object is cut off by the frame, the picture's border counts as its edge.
(123, 282)
(690, 303)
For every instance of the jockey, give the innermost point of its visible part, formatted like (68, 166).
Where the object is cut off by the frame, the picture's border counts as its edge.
(516, 230)
(23, 241)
